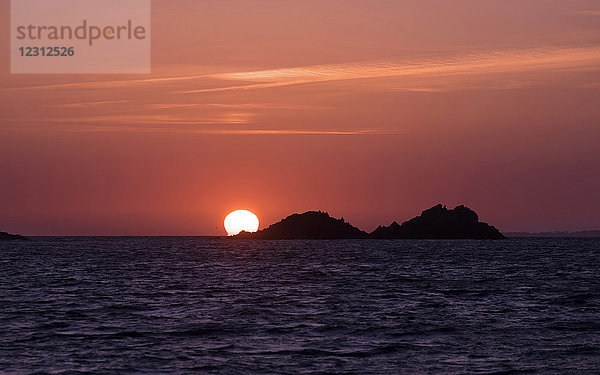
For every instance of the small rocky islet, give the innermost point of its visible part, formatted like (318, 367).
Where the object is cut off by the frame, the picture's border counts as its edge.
(11, 237)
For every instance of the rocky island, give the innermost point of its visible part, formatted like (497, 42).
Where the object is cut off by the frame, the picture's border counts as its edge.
(309, 225)
(437, 222)
(10, 237)
(440, 223)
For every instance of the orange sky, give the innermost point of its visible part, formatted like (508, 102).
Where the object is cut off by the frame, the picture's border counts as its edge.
(371, 110)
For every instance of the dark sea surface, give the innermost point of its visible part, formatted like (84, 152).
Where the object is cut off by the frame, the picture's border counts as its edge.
(177, 305)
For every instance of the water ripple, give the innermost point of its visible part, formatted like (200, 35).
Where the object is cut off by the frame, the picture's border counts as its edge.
(211, 305)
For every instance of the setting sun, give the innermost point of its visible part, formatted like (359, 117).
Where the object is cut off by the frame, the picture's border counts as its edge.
(241, 220)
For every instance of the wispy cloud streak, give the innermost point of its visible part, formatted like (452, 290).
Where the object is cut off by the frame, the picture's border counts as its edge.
(589, 12)
(501, 61)
(229, 118)
(90, 104)
(196, 131)
(483, 63)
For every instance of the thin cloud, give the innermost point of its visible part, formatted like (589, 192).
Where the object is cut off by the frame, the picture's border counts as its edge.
(191, 131)
(246, 87)
(89, 104)
(247, 106)
(108, 84)
(173, 105)
(269, 106)
(504, 84)
(483, 63)
(230, 118)
(313, 132)
(501, 61)
(589, 12)
(590, 85)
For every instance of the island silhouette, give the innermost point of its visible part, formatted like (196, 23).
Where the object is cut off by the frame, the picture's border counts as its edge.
(437, 222)
(11, 237)
(309, 225)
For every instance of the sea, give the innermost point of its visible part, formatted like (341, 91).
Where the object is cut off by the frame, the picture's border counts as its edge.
(189, 305)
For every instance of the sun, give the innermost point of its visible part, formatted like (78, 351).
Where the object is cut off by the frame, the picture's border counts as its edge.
(240, 220)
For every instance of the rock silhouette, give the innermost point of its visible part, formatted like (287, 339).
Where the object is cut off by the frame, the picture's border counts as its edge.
(440, 223)
(435, 223)
(10, 237)
(309, 225)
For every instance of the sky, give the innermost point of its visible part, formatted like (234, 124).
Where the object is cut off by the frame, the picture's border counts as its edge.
(369, 110)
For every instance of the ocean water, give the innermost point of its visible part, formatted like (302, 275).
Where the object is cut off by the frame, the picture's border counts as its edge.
(178, 305)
